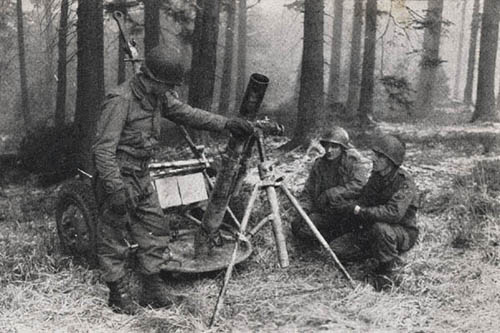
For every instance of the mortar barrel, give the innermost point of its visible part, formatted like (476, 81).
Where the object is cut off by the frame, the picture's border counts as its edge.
(254, 94)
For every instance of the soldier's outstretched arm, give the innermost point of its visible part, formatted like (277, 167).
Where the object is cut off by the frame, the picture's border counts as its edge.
(181, 113)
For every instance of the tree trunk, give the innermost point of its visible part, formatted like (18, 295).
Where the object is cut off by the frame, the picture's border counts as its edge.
(225, 93)
(60, 115)
(471, 63)
(430, 62)
(89, 75)
(354, 74)
(336, 53)
(458, 71)
(25, 107)
(48, 100)
(204, 60)
(296, 86)
(368, 74)
(311, 97)
(241, 75)
(151, 25)
(485, 103)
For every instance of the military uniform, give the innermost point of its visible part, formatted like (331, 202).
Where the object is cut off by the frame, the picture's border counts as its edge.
(386, 225)
(331, 183)
(127, 136)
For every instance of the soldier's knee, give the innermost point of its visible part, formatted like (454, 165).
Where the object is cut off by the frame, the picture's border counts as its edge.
(379, 229)
(317, 218)
(299, 229)
(381, 232)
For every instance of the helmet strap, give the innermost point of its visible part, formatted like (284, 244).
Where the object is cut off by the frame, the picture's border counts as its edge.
(147, 72)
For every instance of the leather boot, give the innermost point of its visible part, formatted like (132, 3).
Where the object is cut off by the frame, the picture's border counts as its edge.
(386, 275)
(390, 267)
(154, 292)
(119, 298)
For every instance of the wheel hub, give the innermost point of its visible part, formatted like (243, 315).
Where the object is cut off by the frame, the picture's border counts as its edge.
(75, 230)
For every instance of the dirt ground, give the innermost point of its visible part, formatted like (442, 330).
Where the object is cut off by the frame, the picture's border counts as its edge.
(444, 287)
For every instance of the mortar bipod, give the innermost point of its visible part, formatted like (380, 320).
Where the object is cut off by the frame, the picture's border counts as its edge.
(269, 183)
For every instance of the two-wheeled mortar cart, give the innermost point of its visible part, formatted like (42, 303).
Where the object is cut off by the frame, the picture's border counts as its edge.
(183, 190)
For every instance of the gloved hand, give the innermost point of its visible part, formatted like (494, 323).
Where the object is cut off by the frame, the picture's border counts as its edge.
(349, 208)
(118, 202)
(331, 197)
(239, 127)
(211, 172)
(323, 200)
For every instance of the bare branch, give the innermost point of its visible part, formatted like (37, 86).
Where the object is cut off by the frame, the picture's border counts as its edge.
(255, 4)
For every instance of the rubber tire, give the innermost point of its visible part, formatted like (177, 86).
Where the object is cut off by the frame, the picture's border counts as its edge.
(78, 195)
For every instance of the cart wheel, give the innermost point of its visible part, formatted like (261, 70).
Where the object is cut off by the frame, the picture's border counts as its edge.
(76, 218)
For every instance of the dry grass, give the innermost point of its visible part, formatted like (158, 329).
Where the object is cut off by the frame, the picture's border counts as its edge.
(444, 287)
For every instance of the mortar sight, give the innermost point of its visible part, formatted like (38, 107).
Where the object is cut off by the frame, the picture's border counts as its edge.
(268, 127)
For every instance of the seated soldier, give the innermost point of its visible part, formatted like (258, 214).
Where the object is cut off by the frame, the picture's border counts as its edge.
(384, 215)
(335, 177)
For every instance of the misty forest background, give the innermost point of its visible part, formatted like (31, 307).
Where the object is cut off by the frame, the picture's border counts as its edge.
(353, 62)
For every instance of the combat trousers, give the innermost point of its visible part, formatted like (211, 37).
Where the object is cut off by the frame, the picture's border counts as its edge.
(330, 225)
(389, 240)
(144, 225)
(382, 241)
(352, 240)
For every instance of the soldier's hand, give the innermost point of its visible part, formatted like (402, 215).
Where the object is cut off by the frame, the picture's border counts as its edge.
(239, 128)
(330, 197)
(323, 200)
(118, 202)
(211, 171)
(348, 208)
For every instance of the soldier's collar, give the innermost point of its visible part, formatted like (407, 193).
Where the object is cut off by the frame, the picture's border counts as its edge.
(336, 160)
(391, 175)
(142, 91)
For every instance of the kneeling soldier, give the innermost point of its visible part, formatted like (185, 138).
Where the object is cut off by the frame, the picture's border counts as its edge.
(335, 177)
(384, 214)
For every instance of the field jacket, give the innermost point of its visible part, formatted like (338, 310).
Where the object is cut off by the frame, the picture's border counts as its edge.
(129, 127)
(340, 179)
(390, 199)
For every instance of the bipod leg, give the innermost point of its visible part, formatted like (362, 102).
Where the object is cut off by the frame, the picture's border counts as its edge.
(229, 270)
(266, 174)
(316, 232)
(279, 236)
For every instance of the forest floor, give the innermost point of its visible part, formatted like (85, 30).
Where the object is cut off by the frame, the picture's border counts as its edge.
(450, 283)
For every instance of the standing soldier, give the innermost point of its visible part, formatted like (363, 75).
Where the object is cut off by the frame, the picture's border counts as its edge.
(384, 214)
(129, 211)
(335, 178)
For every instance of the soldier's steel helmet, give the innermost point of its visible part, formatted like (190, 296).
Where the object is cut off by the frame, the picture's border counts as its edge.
(336, 135)
(164, 65)
(391, 147)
